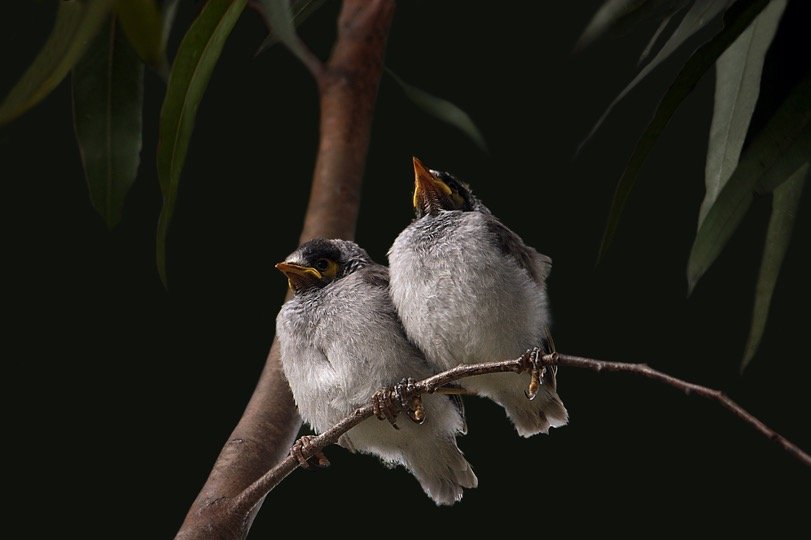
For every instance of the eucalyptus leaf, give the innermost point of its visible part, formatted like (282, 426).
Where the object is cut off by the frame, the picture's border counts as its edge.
(300, 11)
(697, 17)
(619, 17)
(654, 39)
(279, 17)
(192, 67)
(737, 87)
(77, 23)
(785, 206)
(168, 12)
(772, 157)
(736, 22)
(441, 109)
(141, 22)
(108, 91)
(793, 158)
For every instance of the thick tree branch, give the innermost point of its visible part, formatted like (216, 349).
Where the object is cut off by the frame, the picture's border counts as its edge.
(348, 84)
(254, 494)
(348, 90)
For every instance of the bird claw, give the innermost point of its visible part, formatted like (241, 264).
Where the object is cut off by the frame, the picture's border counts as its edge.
(534, 361)
(537, 371)
(388, 402)
(410, 400)
(305, 445)
(403, 389)
(415, 411)
(384, 406)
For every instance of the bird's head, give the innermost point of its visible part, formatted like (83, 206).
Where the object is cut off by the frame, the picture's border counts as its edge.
(319, 262)
(437, 190)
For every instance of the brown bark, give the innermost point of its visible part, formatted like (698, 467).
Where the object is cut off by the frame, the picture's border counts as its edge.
(348, 85)
(435, 383)
(348, 89)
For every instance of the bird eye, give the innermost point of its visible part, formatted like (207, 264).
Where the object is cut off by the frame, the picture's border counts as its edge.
(322, 264)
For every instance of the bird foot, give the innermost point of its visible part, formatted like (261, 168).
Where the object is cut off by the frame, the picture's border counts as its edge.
(305, 445)
(536, 370)
(384, 405)
(533, 359)
(389, 401)
(410, 399)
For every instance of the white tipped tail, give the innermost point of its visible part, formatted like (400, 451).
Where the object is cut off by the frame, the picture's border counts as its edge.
(442, 471)
(530, 417)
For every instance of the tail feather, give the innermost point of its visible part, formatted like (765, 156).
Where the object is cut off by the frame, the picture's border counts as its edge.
(442, 471)
(536, 416)
(530, 417)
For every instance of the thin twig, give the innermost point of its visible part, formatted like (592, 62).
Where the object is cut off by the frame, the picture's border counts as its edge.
(259, 489)
(689, 389)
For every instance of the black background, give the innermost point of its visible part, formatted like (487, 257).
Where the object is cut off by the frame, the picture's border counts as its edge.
(120, 394)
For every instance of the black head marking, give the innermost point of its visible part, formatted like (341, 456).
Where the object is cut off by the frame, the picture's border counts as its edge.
(459, 187)
(347, 255)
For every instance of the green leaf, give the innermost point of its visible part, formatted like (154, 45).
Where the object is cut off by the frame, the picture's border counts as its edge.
(781, 223)
(300, 10)
(141, 22)
(442, 110)
(696, 18)
(774, 155)
(108, 91)
(736, 22)
(168, 12)
(620, 17)
(280, 19)
(77, 23)
(737, 87)
(793, 157)
(191, 70)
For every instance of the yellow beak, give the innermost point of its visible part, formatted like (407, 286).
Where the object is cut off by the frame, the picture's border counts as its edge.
(299, 276)
(430, 193)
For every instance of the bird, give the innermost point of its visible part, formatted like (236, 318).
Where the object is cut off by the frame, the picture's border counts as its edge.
(341, 342)
(468, 290)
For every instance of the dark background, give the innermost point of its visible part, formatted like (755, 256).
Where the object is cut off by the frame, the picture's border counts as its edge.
(120, 394)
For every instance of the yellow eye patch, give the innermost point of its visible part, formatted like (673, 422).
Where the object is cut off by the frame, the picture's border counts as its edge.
(327, 268)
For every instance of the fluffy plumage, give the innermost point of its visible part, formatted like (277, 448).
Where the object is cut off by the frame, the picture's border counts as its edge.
(341, 341)
(469, 290)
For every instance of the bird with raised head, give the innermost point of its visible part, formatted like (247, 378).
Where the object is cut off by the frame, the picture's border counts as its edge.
(341, 343)
(470, 290)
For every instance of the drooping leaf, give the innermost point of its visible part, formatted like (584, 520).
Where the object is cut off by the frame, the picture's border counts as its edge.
(654, 40)
(168, 12)
(793, 157)
(300, 10)
(778, 235)
(442, 110)
(108, 88)
(737, 87)
(619, 17)
(736, 22)
(192, 67)
(772, 157)
(280, 19)
(141, 22)
(696, 18)
(77, 23)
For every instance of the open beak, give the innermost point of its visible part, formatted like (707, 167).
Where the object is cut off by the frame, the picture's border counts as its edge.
(299, 277)
(430, 193)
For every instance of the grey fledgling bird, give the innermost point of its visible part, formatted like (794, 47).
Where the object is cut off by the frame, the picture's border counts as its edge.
(469, 290)
(342, 341)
